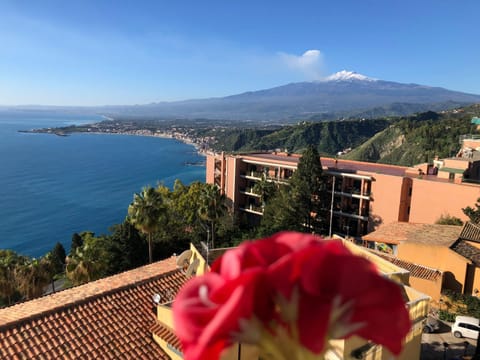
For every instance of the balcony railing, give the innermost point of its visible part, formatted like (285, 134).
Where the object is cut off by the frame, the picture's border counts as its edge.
(249, 191)
(258, 210)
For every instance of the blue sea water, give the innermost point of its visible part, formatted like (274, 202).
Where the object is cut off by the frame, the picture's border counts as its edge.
(52, 186)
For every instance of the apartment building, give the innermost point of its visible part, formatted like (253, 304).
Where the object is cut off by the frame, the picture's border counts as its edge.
(364, 195)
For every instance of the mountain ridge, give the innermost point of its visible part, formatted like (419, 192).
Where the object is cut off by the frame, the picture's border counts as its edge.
(345, 94)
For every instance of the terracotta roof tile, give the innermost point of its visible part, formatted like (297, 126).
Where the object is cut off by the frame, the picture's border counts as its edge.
(471, 232)
(416, 270)
(466, 250)
(167, 334)
(106, 319)
(428, 234)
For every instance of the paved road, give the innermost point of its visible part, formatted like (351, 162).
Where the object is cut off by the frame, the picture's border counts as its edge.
(433, 348)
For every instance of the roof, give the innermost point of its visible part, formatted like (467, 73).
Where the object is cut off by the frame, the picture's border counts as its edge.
(466, 250)
(427, 234)
(416, 270)
(167, 334)
(108, 318)
(471, 232)
(363, 167)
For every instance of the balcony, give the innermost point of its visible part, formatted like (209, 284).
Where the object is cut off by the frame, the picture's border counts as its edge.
(253, 209)
(356, 194)
(249, 191)
(350, 215)
(253, 175)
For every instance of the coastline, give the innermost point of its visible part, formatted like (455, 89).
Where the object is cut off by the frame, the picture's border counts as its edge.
(200, 145)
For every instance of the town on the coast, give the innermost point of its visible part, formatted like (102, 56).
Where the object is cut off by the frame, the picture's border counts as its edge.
(418, 224)
(249, 180)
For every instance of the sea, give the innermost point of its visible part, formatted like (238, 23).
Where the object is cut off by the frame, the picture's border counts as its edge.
(53, 186)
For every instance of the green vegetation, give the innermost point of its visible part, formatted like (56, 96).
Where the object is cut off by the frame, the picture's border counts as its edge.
(447, 219)
(328, 137)
(458, 304)
(473, 213)
(146, 213)
(404, 140)
(160, 222)
(211, 208)
(300, 205)
(22, 277)
(419, 138)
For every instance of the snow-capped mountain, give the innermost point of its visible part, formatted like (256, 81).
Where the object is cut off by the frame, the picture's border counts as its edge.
(345, 93)
(345, 75)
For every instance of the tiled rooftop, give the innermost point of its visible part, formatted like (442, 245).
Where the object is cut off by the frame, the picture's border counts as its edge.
(105, 319)
(428, 234)
(416, 270)
(470, 232)
(468, 251)
(166, 334)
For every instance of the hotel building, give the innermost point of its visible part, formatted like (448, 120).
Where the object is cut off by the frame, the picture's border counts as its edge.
(364, 195)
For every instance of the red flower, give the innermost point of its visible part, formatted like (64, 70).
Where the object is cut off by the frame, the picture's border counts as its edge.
(207, 311)
(341, 294)
(312, 289)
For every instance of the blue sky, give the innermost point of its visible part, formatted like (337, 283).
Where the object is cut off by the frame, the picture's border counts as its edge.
(135, 52)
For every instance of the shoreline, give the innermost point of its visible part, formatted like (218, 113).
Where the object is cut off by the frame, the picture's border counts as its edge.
(201, 147)
(143, 133)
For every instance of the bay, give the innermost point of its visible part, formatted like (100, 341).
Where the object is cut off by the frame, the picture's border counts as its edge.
(52, 186)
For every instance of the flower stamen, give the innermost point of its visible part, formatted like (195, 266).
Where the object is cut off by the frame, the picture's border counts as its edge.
(203, 296)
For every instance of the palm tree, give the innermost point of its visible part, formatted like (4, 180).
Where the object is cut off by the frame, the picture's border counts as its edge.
(8, 263)
(33, 276)
(89, 262)
(80, 270)
(145, 213)
(212, 207)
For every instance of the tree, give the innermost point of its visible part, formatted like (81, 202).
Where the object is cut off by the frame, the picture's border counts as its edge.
(9, 260)
(146, 213)
(308, 191)
(77, 241)
(473, 213)
(266, 189)
(33, 276)
(211, 208)
(126, 248)
(301, 205)
(279, 214)
(90, 261)
(58, 256)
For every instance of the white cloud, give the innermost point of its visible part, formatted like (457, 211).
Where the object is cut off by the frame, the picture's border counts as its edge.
(310, 63)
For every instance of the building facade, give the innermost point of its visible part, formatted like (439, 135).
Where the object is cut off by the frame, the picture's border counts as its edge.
(363, 195)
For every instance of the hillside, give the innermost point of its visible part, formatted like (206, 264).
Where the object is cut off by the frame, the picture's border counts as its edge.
(330, 137)
(398, 140)
(416, 139)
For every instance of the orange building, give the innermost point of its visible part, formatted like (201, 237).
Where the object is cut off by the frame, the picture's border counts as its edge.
(365, 195)
(452, 250)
